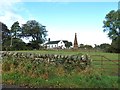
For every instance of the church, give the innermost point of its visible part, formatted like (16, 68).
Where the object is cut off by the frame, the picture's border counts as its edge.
(60, 44)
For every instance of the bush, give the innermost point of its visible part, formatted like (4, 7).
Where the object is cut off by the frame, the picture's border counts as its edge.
(6, 66)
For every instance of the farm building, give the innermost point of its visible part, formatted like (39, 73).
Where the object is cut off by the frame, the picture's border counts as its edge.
(56, 44)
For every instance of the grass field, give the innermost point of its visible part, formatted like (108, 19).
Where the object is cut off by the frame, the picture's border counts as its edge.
(97, 58)
(112, 56)
(102, 73)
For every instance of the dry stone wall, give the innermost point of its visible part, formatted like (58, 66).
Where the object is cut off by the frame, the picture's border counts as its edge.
(81, 61)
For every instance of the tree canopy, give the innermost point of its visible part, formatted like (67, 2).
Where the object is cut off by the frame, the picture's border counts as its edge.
(85, 46)
(68, 44)
(12, 39)
(5, 36)
(112, 26)
(5, 32)
(15, 30)
(35, 30)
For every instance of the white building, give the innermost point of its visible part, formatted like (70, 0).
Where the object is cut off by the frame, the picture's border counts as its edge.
(56, 44)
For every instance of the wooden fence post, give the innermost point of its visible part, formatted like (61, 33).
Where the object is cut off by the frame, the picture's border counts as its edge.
(102, 65)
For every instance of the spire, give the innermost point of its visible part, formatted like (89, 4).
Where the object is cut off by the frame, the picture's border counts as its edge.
(75, 42)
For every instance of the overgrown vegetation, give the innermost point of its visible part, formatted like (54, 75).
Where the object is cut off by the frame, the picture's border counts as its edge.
(74, 80)
(27, 73)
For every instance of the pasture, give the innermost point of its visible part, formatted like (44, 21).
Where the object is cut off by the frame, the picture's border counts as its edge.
(102, 73)
(112, 56)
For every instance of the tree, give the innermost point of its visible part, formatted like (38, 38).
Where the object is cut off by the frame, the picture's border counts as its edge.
(5, 32)
(105, 47)
(115, 45)
(97, 47)
(15, 30)
(88, 46)
(85, 46)
(6, 45)
(68, 44)
(81, 46)
(5, 36)
(35, 30)
(18, 44)
(112, 25)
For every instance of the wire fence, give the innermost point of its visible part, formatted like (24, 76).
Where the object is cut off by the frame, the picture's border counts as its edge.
(105, 65)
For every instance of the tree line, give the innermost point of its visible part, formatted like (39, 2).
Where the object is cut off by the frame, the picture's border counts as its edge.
(105, 47)
(32, 30)
(12, 39)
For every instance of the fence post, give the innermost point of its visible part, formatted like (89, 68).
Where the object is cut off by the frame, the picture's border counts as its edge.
(101, 64)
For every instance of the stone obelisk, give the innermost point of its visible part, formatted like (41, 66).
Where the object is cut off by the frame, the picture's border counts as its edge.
(75, 42)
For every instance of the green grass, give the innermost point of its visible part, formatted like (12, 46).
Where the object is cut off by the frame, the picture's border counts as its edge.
(111, 56)
(93, 77)
(67, 81)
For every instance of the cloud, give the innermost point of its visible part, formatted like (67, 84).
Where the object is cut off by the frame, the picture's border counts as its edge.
(8, 12)
(9, 18)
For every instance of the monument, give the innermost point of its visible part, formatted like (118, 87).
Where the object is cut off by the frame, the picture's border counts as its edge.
(75, 42)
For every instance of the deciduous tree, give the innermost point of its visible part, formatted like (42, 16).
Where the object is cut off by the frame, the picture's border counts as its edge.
(15, 30)
(35, 30)
(112, 26)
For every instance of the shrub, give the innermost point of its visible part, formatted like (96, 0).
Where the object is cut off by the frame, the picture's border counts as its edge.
(6, 66)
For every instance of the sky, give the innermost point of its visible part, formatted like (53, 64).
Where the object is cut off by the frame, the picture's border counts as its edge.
(62, 19)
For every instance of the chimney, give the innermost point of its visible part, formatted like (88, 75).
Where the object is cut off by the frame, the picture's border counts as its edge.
(48, 39)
